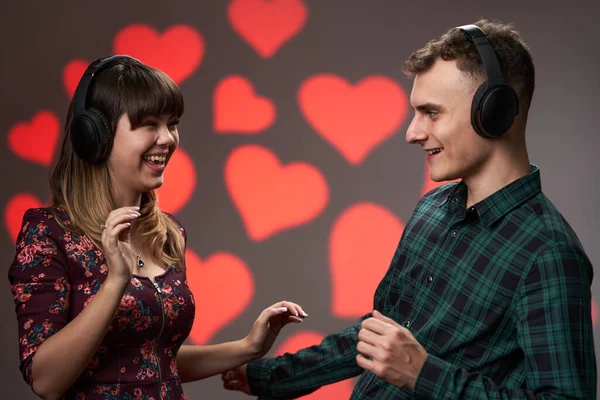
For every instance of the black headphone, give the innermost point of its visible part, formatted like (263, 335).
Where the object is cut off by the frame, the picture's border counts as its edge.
(495, 104)
(91, 132)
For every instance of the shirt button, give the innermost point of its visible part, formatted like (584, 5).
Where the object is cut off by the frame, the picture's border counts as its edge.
(455, 200)
(454, 233)
(430, 279)
(407, 324)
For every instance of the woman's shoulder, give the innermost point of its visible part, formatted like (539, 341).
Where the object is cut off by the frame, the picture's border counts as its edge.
(40, 233)
(53, 216)
(43, 224)
(176, 221)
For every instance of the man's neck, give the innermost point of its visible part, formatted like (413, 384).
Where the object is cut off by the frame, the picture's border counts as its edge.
(495, 175)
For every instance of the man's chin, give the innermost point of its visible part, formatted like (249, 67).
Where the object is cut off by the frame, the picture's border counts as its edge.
(441, 178)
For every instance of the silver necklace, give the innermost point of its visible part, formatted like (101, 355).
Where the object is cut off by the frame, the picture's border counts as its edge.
(140, 262)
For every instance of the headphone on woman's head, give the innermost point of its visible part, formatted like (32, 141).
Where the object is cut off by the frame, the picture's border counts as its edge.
(495, 104)
(91, 131)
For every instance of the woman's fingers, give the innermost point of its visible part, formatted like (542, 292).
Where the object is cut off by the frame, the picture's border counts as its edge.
(293, 308)
(290, 312)
(119, 216)
(116, 225)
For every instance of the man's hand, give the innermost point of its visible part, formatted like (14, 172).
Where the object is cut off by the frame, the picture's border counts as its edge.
(236, 380)
(389, 351)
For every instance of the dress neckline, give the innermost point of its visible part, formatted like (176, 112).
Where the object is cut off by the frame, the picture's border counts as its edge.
(153, 278)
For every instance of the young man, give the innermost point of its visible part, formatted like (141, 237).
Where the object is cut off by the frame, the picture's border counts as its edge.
(488, 293)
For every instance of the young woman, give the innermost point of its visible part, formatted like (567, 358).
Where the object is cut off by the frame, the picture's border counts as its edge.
(99, 279)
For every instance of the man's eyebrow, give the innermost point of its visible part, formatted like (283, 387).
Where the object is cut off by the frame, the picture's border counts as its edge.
(426, 107)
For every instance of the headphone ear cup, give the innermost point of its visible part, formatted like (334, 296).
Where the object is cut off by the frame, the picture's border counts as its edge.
(91, 135)
(493, 110)
(476, 110)
(499, 107)
(105, 134)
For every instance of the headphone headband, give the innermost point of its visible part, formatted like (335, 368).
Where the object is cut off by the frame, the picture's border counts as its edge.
(91, 132)
(495, 103)
(98, 65)
(488, 56)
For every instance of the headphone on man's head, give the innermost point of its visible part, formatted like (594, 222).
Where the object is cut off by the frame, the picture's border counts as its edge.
(91, 131)
(495, 104)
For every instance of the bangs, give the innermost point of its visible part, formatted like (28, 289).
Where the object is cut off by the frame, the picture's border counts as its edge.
(138, 90)
(149, 93)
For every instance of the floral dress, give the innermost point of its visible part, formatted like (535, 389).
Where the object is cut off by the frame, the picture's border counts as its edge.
(56, 273)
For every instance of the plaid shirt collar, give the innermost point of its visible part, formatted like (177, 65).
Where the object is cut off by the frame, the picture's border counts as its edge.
(498, 204)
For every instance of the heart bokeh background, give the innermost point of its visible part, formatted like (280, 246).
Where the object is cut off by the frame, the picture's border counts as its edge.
(293, 178)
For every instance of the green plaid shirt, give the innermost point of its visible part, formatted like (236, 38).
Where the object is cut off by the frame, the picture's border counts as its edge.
(498, 295)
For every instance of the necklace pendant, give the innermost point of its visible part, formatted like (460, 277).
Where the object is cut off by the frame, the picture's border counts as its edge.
(140, 262)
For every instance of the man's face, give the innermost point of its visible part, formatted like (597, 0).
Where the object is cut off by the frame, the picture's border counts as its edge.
(441, 99)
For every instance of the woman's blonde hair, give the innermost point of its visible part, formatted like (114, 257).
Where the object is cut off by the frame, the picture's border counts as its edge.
(84, 189)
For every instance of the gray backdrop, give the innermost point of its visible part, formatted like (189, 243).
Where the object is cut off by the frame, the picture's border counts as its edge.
(350, 38)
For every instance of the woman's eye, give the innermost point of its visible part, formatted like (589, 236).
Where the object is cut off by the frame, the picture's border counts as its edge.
(148, 123)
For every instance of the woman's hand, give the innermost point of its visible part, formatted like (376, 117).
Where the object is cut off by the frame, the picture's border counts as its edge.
(269, 323)
(115, 243)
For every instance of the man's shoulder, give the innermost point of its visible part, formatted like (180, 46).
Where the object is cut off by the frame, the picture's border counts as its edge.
(557, 242)
(554, 226)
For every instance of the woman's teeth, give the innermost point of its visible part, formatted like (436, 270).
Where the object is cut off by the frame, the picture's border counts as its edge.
(158, 160)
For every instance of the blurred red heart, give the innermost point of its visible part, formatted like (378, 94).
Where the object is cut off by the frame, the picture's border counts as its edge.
(179, 182)
(36, 140)
(178, 51)
(301, 340)
(222, 286)
(238, 109)
(267, 24)
(354, 119)
(15, 209)
(72, 73)
(271, 197)
(594, 312)
(361, 245)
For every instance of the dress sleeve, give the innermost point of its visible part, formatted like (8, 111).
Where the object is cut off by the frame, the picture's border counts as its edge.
(39, 283)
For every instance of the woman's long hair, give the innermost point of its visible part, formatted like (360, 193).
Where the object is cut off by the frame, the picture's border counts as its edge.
(84, 189)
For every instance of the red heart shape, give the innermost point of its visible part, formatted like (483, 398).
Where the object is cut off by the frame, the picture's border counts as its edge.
(179, 183)
(72, 74)
(271, 197)
(362, 242)
(267, 24)
(301, 340)
(238, 109)
(222, 286)
(428, 184)
(177, 52)
(36, 140)
(353, 119)
(594, 312)
(14, 210)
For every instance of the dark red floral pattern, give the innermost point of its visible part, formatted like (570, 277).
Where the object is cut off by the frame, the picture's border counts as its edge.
(56, 273)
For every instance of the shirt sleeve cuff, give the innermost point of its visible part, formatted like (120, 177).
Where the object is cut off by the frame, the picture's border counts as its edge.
(258, 373)
(434, 379)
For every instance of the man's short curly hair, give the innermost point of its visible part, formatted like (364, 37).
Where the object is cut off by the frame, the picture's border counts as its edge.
(512, 52)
